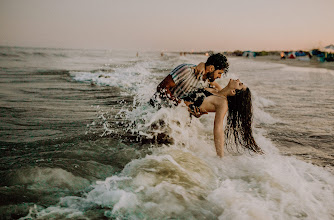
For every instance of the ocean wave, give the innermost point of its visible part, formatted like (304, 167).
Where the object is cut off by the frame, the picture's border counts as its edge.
(132, 79)
(9, 55)
(40, 54)
(53, 72)
(60, 55)
(30, 52)
(55, 178)
(177, 183)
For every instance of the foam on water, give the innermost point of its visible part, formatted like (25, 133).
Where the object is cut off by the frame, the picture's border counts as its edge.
(185, 179)
(125, 78)
(48, 178)
(181, 183)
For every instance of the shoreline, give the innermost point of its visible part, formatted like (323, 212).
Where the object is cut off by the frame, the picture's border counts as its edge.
(294, 62)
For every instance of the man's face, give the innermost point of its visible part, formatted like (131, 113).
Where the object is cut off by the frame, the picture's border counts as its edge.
(212, 76)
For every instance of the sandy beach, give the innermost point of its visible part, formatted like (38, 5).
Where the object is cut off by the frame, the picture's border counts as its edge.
(295, 62)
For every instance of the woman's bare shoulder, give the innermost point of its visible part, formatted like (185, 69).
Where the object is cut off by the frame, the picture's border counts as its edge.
(219, 99)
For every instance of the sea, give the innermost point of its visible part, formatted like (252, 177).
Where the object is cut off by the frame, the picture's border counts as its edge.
(78, 140)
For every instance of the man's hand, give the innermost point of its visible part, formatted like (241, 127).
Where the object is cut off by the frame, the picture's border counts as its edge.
(196, 111)
(188, 103)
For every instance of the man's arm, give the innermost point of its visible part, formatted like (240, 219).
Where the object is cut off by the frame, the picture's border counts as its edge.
(218, 129)
(164, 89)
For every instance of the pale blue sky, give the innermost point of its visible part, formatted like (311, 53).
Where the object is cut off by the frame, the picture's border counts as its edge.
(169, 25)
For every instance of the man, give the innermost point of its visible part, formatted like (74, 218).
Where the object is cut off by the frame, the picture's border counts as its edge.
(186, 78)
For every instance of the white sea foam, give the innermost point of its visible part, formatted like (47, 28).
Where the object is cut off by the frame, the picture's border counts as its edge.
(127, 78)
(55, 178)
(177, 183)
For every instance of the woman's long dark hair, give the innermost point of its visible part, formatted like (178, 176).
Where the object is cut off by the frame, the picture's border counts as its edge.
(239, 121)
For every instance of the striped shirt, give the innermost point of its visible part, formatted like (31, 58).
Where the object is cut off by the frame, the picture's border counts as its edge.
(185, 80)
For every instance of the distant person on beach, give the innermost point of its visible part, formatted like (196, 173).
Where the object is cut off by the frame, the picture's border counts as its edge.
(235, 99)
(187, 78)
(282, 55)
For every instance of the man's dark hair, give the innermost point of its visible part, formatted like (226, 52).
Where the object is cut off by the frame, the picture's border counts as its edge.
(219, 61)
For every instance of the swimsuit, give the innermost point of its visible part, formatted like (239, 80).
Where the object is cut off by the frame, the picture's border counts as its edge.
(197, 97)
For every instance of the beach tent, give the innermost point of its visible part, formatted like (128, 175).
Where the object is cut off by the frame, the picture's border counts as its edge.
(292, 55)
(329, 49)
(315, 52)
(300, 53)
(249, 53)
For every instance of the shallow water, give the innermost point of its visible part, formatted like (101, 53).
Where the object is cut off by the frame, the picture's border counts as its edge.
(78, 140)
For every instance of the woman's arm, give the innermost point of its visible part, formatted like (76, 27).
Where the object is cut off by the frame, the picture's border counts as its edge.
(218, 131)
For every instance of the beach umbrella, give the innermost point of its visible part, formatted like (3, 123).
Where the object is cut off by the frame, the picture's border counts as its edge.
(329, 48)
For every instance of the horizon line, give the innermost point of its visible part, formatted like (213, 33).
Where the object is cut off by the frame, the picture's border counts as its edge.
(157, 50)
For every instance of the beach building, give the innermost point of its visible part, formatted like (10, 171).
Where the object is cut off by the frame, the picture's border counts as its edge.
(329, 53)
(329, 48)
(324, 54)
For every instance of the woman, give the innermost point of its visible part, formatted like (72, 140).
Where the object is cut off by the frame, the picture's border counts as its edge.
(234, 98)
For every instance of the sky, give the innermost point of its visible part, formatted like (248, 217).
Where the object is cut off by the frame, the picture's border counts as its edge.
(168, 25)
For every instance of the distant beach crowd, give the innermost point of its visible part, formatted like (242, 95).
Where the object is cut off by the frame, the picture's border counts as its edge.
(325, 54)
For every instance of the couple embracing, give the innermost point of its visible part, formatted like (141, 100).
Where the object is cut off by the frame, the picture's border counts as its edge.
(196, 87)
